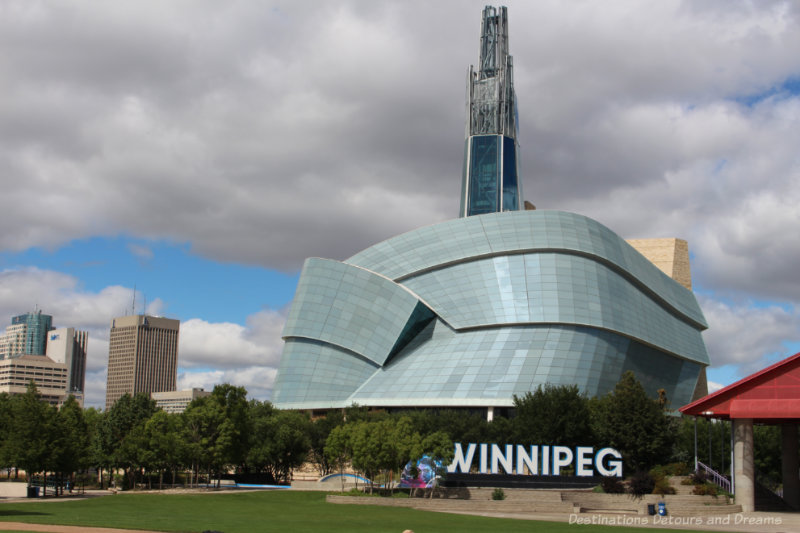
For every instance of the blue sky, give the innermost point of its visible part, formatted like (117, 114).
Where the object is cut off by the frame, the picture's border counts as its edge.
(188, 285)
(198, 155)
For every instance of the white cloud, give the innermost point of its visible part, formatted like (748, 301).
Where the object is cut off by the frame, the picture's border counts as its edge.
(747, 335)
(265, 134)
(226, 345)
(142, 252)
(223, 352)
(95, 388)
(258, 380)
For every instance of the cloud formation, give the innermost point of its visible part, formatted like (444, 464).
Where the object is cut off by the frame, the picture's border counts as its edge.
(249, 129)
(748, 335)
(264, 133)
(208, 353)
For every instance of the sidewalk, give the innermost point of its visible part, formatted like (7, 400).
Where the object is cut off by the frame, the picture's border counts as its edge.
(41, 528)
(756, 522)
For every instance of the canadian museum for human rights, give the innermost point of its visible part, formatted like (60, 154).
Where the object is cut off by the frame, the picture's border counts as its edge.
(470, 312)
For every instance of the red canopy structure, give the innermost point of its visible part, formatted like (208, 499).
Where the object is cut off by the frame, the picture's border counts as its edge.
(770, 396)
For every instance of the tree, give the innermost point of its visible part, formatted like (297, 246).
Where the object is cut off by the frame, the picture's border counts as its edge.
(767, 454)
(71, 450)
(633, 423)
(384, 446)
(460, 426)
(234, 431)
(201, 424)
(5, 429)
(217, 429)
(553, 414)
(95, 420)
(339, 448)
(439, 447)
(122, 430)
(279, 441)
(372, 448)
(32, 433)
(320, 429)
(163, 443)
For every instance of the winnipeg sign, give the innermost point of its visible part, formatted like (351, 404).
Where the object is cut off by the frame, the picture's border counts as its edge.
(536, 460)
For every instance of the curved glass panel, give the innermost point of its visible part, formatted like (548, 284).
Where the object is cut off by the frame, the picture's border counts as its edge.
(513, 232)
(352, 308)
(557, 289)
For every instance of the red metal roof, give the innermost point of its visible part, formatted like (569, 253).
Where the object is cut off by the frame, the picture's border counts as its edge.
(771, 394)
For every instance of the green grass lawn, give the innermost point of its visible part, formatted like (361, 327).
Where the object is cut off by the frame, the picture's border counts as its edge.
(254, 512)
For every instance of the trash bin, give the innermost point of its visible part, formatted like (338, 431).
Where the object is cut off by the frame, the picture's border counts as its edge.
(651, 509)
(662, 509)
(33, 492)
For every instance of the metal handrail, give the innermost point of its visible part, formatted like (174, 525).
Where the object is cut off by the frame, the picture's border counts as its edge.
(714, 476)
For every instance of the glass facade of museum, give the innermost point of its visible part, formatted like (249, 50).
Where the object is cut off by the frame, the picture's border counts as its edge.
(470, 312)
(490, 175)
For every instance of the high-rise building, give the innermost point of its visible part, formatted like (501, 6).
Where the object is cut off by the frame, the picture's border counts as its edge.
(50, 377)
(55, 359)
(68, 346)
(490, 181)
(177, 401)
(26, 335)
(142, 356)
(471, 312)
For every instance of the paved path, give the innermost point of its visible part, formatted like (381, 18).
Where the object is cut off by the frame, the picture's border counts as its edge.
(42, 528)
(756, 522)
(740, 522)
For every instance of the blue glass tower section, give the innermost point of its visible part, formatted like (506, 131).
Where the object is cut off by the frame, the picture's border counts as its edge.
(37, 326)
(491, 179)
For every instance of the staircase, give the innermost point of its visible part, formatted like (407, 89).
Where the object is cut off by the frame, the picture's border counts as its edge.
(532, 501)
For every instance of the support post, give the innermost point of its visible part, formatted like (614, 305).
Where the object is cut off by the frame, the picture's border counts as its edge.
(744, 472)
(733, 462)
(489, 414)
(790, 466)
(695, 444)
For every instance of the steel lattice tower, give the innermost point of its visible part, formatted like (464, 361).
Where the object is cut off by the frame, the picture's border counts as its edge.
(491, 180)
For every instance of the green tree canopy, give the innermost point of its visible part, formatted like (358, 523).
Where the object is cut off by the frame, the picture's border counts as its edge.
(280, 440)
(33, 430)
(635, 424)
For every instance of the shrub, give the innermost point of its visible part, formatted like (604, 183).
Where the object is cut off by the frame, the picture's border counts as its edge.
(612, 485)
(641, 483)
(699, 478)
(677, 469)
(661, 481)
(708, 489)
(658, 473)
(663, 487)
(498, 494)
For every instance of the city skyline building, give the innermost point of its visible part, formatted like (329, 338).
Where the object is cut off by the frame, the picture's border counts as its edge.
(475, 311)
(54, 359)
(68, 346)
(142, 356)
(490, 181)
(27, 334)
(177, 401)
(49, 376)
